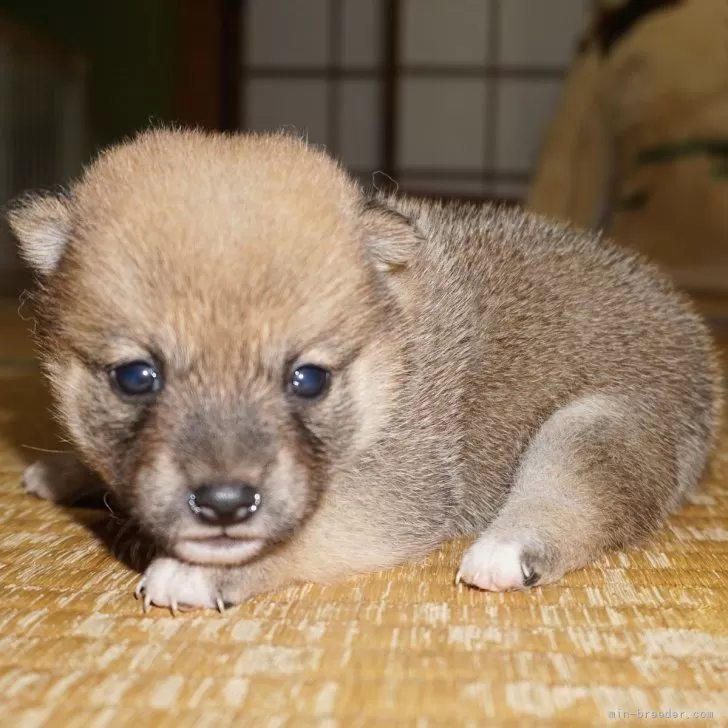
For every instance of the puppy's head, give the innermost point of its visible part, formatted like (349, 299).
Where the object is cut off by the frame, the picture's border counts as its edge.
(218, 319)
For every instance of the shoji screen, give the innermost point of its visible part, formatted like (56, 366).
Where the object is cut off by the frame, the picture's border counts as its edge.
(448, 96)
(317, 66)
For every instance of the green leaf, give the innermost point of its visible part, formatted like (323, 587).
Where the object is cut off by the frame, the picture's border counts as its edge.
(662, 153)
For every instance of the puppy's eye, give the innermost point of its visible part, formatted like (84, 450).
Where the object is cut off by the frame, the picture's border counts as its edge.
(136, 378)
(309, 381)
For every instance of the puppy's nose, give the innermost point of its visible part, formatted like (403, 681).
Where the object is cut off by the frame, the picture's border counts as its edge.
(223, 504)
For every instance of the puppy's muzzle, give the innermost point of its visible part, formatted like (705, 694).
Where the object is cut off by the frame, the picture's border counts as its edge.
(224, 504)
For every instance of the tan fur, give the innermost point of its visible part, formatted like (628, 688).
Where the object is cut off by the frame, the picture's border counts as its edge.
(490, 371)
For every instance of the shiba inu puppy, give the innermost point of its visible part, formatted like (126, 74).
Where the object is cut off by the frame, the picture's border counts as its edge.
(283, 379)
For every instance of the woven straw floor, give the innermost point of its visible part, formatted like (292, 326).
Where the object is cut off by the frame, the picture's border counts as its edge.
(641, 631)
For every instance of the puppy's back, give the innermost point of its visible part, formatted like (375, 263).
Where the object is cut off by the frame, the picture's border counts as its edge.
(537, 316)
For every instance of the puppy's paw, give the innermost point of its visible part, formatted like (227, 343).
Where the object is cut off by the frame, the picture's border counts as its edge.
(179, 586)
(59, 478)
(497, 564)
(38, 481)
(54, 478)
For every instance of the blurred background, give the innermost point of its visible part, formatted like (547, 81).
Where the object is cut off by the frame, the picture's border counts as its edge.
(610, 114)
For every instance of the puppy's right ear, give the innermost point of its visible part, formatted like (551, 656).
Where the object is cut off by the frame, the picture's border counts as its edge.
(42, 225)
(390, 237)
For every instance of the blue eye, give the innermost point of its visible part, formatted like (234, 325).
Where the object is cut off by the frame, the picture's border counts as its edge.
(308, 381)
(136, 378)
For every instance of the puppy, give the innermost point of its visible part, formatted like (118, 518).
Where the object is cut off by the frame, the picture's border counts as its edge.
(283, 379)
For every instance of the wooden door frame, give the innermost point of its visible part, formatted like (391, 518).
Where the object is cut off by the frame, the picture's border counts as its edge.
(209, 35)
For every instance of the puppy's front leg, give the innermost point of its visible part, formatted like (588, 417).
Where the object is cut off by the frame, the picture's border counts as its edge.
(60, 478)
(326, 551)
(180, 586)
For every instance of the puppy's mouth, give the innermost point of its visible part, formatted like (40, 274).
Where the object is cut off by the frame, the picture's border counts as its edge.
(218, 550)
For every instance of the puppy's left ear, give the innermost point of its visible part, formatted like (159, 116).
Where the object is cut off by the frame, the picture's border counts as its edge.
(42, 225)
(391, 237)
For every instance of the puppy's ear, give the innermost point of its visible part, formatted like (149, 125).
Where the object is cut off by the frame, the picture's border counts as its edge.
(42, 225)
(391, 237)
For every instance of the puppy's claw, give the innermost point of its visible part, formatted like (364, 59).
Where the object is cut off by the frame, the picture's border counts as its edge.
(220, 605)
(458, 578)
(139, 591)
(146, 604)
(180, 587)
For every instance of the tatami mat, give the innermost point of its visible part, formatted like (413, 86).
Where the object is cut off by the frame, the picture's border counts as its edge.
(641, 631)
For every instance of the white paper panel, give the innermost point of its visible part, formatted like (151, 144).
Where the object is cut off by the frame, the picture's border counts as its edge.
(297, 104)
(287, 33)
(540, 32)
(445, 32)
(442, 123)
(360, 120)
(524, 108)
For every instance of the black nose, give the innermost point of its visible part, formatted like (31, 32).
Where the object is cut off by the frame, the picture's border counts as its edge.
(223, 504)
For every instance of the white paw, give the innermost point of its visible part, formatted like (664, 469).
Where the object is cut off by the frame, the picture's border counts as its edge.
(494, 564)
(38, 481)
(59, 477)
(178, 586)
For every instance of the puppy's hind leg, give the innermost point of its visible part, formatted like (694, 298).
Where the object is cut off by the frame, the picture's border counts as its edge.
(599, 474)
